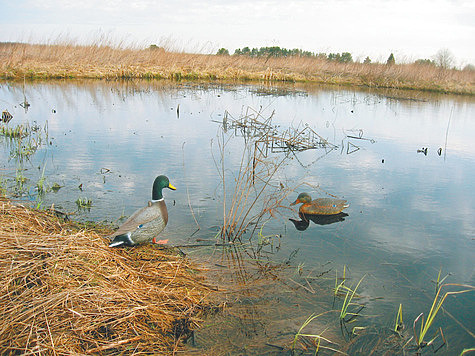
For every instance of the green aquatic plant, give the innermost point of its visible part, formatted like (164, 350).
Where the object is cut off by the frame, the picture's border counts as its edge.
(40, 185)
(41, 189)
(439, 281)
(24, 139)
(265, 240)
(3, 188)
(399, 325)
(20, 179)
(426, 324)
(340, 285)
(347, 302)
(55, 187)
(317, 339)
(84, 203)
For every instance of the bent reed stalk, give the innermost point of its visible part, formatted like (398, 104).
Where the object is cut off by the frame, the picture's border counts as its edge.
(63, 291)
(100, 60)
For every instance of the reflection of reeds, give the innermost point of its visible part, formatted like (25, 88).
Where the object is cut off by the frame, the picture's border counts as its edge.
(65, 292)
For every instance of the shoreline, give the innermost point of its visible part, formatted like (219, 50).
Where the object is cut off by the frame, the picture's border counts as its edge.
(80, 296)
(48, 62)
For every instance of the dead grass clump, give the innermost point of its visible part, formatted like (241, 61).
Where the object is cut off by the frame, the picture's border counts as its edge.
(63, 291)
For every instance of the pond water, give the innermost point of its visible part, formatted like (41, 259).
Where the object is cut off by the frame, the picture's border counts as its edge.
(411, 211)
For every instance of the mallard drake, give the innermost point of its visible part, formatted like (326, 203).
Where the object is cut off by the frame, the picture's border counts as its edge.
(146, 223)
(320, 206)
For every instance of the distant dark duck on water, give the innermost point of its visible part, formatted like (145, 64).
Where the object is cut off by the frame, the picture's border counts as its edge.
(146, 223)
(320, 206)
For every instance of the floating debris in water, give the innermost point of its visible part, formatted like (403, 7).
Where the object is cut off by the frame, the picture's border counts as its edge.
(292, 140)
(423, 150)
(351, 147)
(439, 151)
(250, 124)
(269, 137)
(25, 104)
(271, 91)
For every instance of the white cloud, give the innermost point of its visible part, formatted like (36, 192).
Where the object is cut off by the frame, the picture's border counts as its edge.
(368, 27)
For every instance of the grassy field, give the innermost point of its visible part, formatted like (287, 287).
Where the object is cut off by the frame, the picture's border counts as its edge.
(18, 61)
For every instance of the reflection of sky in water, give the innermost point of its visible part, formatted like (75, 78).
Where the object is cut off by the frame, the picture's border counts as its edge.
(408, 216)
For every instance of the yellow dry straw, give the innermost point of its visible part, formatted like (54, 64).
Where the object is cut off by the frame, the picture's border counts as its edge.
(69, 60)
(63, 291)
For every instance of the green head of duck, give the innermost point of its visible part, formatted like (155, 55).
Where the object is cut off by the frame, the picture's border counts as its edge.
(158, 185)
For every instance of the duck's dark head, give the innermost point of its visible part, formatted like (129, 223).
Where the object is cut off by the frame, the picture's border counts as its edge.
(303, 198)
(158, 185)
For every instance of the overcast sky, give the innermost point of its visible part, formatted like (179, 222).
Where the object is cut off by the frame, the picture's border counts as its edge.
(411, 29)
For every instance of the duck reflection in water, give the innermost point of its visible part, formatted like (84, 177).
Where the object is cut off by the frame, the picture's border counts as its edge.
(305, 219)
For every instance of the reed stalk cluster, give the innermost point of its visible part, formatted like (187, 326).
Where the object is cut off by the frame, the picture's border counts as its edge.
(63, 291)
(19, 60)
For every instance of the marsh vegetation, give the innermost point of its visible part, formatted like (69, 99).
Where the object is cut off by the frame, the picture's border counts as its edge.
(104, 61)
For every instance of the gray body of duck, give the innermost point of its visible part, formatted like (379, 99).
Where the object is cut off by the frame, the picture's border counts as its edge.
(146, 223)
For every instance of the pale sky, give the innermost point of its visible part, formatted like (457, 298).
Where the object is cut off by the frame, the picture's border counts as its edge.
(411, 29)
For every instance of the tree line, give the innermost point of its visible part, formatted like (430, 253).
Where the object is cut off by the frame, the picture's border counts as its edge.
(276, 51)
(442, 58)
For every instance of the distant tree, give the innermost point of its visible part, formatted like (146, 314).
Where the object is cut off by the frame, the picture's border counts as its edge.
(469, 68)
(367, 60)
(444, 58)
(391, 60)
(237, 52)
(425, 62)
(345, 57)
(222, 52)
(334, 57)
(246, 51)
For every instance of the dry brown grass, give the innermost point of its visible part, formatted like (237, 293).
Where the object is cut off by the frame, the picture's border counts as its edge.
(63, 291)
(99, 61)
